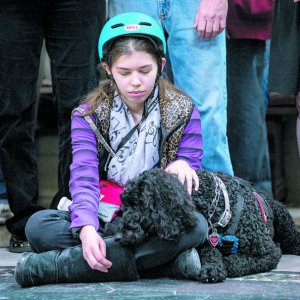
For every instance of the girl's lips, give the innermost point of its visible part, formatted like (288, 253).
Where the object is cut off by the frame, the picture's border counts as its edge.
(136, 93)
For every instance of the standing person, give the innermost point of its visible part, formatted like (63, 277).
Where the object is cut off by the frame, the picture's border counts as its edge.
(70, 28)
(249, 26)
(197, 52)
(285, 53)
(142, 122)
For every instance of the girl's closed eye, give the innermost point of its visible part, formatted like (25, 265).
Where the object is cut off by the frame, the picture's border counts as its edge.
(124, 73)
(142, 71)
(146, 70)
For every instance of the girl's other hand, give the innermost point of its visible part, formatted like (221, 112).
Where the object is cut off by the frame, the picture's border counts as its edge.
(94, 249)
(185, 174)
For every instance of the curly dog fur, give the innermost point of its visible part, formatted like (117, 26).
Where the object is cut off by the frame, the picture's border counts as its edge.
(156, 203)
(144, 208)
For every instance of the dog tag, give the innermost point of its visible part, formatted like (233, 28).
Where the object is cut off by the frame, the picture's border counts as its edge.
(214, 238)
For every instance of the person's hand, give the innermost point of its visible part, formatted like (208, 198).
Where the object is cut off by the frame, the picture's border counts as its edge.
(185, 174)
(94, 249)
(211, 17)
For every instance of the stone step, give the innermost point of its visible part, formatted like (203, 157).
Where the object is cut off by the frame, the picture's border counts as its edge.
(4, 236)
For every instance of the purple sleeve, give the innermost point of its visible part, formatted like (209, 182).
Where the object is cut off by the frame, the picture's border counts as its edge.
(191, 146)
(84, 179)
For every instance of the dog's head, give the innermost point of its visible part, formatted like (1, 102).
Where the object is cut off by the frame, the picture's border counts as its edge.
(155, 203)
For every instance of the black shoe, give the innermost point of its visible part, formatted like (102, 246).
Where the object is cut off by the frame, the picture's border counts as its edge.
(69, 266)
(19, 271)
(187, 265)
(18, 244)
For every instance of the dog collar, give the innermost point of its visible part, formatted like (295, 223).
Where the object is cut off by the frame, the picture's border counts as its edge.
(226, 215)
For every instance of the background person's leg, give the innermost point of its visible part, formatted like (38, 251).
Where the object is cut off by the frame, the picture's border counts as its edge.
(247, 130)
(21, 39)
(150, 8)
(73, 28)
(199, 69)
(297, 99)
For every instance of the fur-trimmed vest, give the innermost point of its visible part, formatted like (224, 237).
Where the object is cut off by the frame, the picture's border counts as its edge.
(175, 108)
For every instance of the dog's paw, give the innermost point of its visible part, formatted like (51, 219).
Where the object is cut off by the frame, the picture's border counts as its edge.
(212, 273)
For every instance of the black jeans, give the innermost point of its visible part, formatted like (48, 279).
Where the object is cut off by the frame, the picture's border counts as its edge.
(71, 29)
(246, 124)
(49, 230)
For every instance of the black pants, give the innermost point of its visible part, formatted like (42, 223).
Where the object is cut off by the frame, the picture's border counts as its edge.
(71, 29)
(246, 124)
(49, 230)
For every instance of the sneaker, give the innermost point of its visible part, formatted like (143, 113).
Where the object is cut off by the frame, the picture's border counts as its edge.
(5, 212)
(187, 265)
(18, 244)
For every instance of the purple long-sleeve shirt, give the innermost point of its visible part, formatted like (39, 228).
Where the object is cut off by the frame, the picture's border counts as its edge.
(84, 181)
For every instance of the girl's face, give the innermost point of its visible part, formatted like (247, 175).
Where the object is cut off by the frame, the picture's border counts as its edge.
(135, 76)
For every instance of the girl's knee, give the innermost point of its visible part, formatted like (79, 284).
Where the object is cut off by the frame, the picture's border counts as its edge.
(33, 227)
(33, 223)
(40, 228)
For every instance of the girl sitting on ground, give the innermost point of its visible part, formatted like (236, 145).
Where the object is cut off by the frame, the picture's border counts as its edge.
(132, 123)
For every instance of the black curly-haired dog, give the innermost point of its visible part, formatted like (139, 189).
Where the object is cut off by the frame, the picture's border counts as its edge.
(157, 203)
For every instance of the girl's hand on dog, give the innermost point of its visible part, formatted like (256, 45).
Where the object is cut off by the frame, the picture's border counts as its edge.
(94, 249)
(185, 174)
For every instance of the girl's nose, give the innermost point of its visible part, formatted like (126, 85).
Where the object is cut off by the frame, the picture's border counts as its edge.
(135, 80)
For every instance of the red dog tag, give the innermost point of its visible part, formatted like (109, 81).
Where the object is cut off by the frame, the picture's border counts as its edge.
(214, 239)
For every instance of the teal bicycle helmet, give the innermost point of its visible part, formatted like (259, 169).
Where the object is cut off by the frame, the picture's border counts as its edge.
(131, 24)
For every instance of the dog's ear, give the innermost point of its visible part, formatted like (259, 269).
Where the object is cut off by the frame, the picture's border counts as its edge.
(172, 207)
(134, 190)
(130, 230)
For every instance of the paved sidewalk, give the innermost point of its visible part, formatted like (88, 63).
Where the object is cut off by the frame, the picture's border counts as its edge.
(282, 283)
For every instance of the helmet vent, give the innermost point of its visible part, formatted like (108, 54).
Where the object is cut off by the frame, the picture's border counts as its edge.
(117, 25)
(145, 24)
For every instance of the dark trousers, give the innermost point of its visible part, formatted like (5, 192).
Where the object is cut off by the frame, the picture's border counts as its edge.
(71, 29)
(246, 129)
(49, 230)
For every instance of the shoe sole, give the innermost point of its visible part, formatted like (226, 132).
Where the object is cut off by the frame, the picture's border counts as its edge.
(20, 249)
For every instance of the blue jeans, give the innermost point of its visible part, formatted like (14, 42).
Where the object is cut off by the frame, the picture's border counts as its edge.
(199, 69)
(71, 30)
(247, 132)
